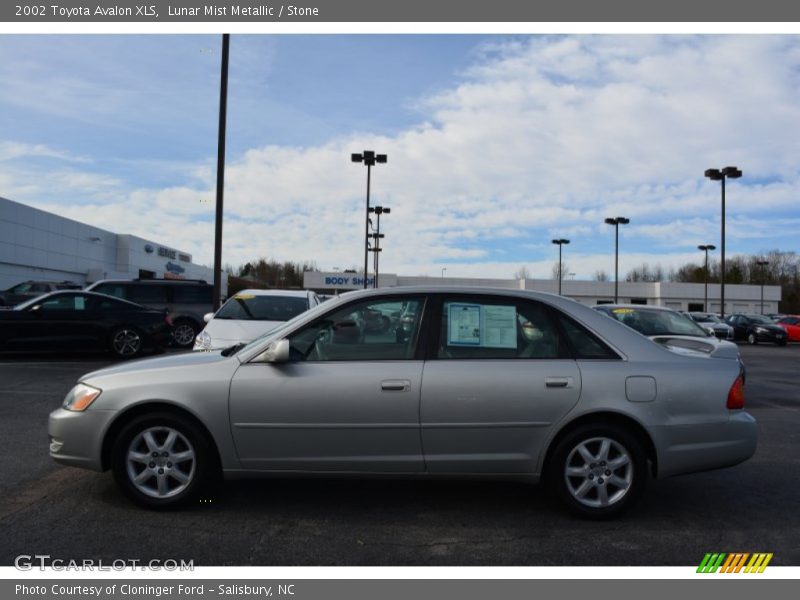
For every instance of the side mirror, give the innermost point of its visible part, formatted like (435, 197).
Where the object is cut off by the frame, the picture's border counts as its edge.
(276, 352)
(208, 316)
(36, 310)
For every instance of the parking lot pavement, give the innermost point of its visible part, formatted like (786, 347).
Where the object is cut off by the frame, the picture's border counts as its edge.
(69, 513)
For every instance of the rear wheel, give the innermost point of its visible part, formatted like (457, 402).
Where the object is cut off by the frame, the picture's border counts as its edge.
(598, 471)
(162, 461)
(126, 342)
(184, 332)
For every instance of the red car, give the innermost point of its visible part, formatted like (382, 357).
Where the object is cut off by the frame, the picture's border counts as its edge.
(791, 324)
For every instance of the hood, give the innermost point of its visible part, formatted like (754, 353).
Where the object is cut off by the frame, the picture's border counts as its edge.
(768, 327)
(158, 363)
(698, 346)
(234, 331)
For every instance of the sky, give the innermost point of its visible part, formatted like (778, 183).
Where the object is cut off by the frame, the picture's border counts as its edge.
(496, 145)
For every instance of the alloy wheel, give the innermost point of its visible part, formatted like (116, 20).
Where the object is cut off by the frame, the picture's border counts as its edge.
(160, 462)
(126, 342)
(598, 472)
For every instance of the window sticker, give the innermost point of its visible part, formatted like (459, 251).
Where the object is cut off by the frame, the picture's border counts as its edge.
(464, 325)
(623, 311)
(500, 326)
(244, 296)
(484, 326)
(80, 303)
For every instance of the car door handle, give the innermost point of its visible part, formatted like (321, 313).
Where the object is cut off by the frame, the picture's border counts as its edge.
(556, 382)
(395, 385)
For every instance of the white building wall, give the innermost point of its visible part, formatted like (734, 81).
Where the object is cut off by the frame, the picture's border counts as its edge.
(35, 244)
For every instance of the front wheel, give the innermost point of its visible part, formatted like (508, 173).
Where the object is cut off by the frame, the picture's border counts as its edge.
(598, 471)
(161, 461)
(752, 339)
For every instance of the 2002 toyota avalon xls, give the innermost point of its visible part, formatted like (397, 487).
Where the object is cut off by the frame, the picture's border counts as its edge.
(466, 382)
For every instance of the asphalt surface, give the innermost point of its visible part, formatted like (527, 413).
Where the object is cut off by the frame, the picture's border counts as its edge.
(74, 514)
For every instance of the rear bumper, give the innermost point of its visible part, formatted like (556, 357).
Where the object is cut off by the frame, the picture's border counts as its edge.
(686, 449)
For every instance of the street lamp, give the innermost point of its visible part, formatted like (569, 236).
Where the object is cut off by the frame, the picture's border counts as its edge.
(369, 158)
(223, 116)
(377, 236)
(762, 264)
(705, 248)
(443, 270)
(616, 222)
(720, 175)
(560, 243)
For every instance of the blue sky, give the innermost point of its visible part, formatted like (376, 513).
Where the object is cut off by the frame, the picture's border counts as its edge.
(496, 144)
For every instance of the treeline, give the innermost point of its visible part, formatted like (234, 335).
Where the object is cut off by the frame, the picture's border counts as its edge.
(267, 274)
(781, 269)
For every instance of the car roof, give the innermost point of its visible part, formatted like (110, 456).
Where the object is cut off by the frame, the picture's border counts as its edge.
(154, 281)
(653, 307)
(284, 293)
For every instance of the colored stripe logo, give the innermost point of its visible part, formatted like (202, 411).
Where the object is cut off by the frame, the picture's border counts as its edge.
(737, 562)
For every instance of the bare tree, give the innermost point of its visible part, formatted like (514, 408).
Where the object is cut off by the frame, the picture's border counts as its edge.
(564, 271)
(522, 273)
(600, 275)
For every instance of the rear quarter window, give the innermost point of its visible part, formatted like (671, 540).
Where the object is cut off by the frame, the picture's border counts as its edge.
(192, 294)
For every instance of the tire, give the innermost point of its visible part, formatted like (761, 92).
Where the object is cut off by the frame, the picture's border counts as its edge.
(578, 475)
(184, 332)
(752, 339)
(161, 481)
(126, 342)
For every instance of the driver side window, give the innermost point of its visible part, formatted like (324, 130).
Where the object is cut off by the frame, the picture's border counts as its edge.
(385, 329)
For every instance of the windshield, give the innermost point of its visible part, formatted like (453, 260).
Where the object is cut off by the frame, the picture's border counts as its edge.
(657, 322)
(706, 318)
(278, 331)
(761, 319)
(250, 307)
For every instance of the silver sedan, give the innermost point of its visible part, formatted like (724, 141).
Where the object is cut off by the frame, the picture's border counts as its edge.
(465, 382)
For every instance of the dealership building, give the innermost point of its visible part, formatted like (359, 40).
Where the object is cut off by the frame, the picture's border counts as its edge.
(38, 245)
(679, 296)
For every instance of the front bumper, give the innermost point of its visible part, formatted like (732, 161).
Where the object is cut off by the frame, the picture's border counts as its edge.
(76, 438)
(683, 449)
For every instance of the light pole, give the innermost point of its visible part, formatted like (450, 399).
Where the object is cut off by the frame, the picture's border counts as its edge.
(720, 175)
(762, 264)
(223, 112)
(369, 158)
(560, 243)
(443, 270)
(377, 236)
(616, 222)
(705, 248)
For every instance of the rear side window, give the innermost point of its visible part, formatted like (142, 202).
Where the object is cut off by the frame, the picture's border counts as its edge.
(585, 345)
(477, 328)
(192, 294)
(111, 289)
(147, 293)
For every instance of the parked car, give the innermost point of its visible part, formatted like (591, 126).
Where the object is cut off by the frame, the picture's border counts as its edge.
(672, 329)
(791, 323)
(83, 321)
(756, 328)
(713, 324)
(28, 290)
(487, 383)
(251, 313)
(187, 300)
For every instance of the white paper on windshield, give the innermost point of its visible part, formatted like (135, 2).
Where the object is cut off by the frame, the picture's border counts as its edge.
(484, 326)
(80, 303)
(464, 325)
(500, 327)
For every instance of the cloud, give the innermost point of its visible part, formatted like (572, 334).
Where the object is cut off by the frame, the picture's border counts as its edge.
(542, 136)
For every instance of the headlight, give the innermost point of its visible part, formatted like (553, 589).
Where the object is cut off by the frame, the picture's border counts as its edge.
(202, 341)
(761, 329)
(80, 397)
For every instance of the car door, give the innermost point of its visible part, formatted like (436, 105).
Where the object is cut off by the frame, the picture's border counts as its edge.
(58, 322)
(347, 400)
(500, 377)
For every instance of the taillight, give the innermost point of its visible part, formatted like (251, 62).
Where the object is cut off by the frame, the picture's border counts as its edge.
(168, 319)
(736, 395)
